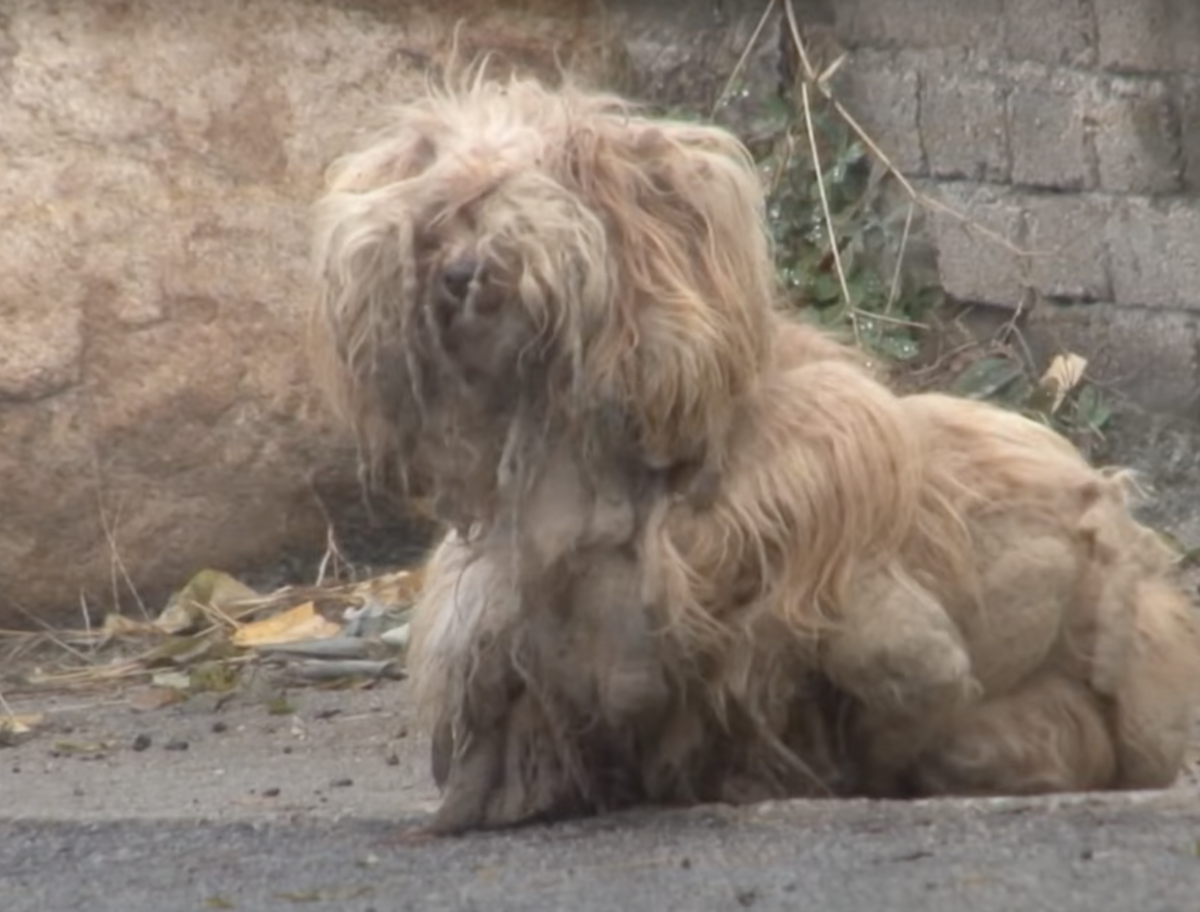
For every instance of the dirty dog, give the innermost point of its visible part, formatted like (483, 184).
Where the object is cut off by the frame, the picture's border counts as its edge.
(695, 550)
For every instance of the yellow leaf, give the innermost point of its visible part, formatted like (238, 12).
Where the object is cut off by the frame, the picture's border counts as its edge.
(299, 623)
(391, 589)
(1062, 376)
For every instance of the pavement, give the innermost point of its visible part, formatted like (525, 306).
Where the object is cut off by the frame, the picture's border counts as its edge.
(194, 807)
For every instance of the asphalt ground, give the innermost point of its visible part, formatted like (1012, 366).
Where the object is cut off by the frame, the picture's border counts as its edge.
(190, 807)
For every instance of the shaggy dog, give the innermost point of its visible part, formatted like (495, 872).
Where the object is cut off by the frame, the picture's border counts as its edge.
(697, 551)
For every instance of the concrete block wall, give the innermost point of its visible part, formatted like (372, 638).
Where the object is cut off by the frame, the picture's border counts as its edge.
(1073, 128)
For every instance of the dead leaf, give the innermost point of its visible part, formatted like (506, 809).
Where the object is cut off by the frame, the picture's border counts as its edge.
(299, 623)
(397, 637)
(171, 680)
(151, 698)
(393, 589)
(187, 650)
(208, 589)
(1062, 376)
(119, 625)
(15, 729)
(279, 706)
(82, 747)
(214, 677)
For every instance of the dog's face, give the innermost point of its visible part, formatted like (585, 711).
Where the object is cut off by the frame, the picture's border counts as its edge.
(508, 249)
(464, 251)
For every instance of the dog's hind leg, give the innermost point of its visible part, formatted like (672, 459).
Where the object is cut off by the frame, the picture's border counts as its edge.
(1156, 695)
(1050, 735)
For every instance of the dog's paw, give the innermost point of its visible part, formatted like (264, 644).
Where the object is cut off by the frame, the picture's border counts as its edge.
(519, 771)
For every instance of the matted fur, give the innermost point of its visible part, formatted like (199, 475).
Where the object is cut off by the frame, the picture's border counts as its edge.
(699, 551)
(643, 303)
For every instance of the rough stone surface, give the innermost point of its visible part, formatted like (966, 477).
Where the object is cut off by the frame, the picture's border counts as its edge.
(1155, 252)
(880, 90)
(977, 26)
(963, 125)
(975, 266)
(1056, 33)
(1149, 35)
(158, 160)
(1189, 115)
(1090, 169)
(1047, 136)
(158, 157)
(1067, 241)
(669, 53)
(1137, 137)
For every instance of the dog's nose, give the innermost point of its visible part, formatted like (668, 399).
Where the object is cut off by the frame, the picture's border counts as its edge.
(457, 276)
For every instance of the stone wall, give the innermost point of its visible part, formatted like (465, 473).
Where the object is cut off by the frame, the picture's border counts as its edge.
(158, 158)
(1072, 127)
(157, 162)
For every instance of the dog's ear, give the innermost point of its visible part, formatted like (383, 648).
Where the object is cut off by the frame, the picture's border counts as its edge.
(365, 274)
(682, 208)
(363, 244)
(365, 278)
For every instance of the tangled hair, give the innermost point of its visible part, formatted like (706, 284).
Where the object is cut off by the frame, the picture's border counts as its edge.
(619, 287)
(698, 552)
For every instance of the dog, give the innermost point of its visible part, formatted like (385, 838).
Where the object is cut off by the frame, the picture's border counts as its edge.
(696, 550)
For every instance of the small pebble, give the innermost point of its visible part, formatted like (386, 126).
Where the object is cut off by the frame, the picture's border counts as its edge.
(141, 742)
(271, 793)
(287, 748)
(746, 898)
(391, 758)
(342, 783)
(176, 744)
(219, 727)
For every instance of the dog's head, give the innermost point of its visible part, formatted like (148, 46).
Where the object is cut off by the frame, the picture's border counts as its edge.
(508, 249)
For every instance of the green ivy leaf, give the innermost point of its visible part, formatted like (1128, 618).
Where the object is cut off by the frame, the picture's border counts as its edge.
(1091, 411)
(986, 377)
